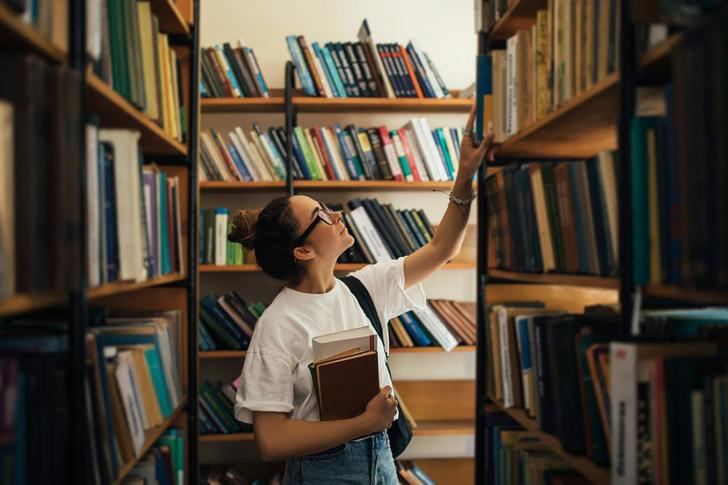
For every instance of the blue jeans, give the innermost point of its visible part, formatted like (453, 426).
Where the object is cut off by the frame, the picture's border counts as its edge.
(368, 461)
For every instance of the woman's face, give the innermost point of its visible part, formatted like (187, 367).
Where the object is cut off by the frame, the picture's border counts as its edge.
(326, 241)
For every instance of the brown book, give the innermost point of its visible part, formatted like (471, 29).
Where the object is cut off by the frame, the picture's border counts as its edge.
(121, 429)
(344, 386)
(566, 218)
(222, 79)
(401, 333)
(467, 320)
(317, 81)
(453, 321)
(376, 75)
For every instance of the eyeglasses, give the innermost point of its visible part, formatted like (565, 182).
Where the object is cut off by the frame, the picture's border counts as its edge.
(322, 214)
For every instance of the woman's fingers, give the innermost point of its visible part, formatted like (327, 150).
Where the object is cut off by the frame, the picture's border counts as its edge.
(471, 120)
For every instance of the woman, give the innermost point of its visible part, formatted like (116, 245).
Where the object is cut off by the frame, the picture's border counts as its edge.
(298, 240)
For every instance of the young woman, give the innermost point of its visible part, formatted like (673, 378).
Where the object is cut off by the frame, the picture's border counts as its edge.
(298, 240)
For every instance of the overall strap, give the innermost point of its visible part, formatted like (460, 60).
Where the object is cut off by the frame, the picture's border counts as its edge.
(365, 302)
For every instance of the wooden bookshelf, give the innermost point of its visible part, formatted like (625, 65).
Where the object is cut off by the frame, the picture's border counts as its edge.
(226, 438)
(151, 436)
(24, 303)
(597, 474)
(444, 427)
(18, 36)
(239, 354)
(118, 287)
(317, 185)
(115, 111)
(345, 267)
(556, 279)
(171, 20)
(520, 15)
(687, 295)
(274, 104)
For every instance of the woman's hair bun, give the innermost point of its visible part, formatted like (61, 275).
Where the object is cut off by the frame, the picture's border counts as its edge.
(243, 229)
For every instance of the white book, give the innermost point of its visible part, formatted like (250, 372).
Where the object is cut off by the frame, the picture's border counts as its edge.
(201, 173)
(93, 29)
(210, 147)
(221, 231)
(434, 151)
(322, 75)
(451, 149)
(264, 155)
(417, 153)
(7, 201)
(436, 327)
(247, 160)
(93, 206)
(254, 155)
(429, 151)
(371, 236)
(128, 202)
(365, 36)
(428, 72)
(336, 153)
(131, 404)
(391, 155)
(399, 151)
(508, 399)
(364, 338)
(511, 91)
(542, 221)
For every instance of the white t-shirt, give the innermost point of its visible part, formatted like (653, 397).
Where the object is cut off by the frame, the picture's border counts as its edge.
(275, 376)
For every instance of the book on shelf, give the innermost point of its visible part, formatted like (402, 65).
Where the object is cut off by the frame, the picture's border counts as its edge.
(132, 55)
(488, 12)
(555, 217)
(451, 320)
(49, 17)
(414, 152)
(231, 71)
(216, 401)
(163, 463)
(134, 211)
(227, 322)
(365, 68)
(41, 119)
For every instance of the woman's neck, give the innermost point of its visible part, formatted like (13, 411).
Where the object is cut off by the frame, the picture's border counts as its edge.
(316, 278)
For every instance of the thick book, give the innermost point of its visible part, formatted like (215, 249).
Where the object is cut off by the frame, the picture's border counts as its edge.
(363, 338)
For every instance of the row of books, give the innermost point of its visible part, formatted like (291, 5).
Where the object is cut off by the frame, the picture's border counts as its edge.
(133, 211)
(227, 322)
(517, 456)
(40, 152)
(48, 17)
(555, 217)
(133, 57)
(412, 152)
(231, 72)
(234, 475)
(680, 168)
(572, 46)
(216, 409)
(134, 384)
(163, 464)
(410, 329)
(215, 225)
(365, 68)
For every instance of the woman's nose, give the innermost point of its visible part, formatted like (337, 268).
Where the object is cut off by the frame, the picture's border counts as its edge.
(337, 216)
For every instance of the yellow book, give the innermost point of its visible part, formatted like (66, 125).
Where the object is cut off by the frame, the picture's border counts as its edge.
(144, 14)
(541, 46)
(654, 208)
(164, 76)
(173, 79)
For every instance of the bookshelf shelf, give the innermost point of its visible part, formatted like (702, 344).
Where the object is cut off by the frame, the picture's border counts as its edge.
(151, 437)
(444, 427)
(239, 354)
(17, 35)
(170, 18)
(596, 473)
(275, 104)
(690, 295)
(115, 111)
(520, 15)
(254, 268)
(226, 438)
(222, 354)
(23, 303)
(556, 279)
(119, 287)
(316, 185)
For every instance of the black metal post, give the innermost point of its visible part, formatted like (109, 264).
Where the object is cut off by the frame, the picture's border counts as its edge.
(290, 124)
(627, 89)
(192, 253)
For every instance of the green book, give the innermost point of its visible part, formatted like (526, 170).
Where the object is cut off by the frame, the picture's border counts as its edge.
(308, 153)
(406, 170)
(160, 385)
(640, 194)
(117, 33)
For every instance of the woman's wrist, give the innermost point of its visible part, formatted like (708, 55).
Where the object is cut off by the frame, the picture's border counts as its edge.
(463, 187)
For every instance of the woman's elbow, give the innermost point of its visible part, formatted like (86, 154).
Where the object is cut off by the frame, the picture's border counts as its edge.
(268, 449)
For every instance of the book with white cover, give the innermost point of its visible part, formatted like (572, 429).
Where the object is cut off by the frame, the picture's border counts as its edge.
(130, 403)
(364, 338)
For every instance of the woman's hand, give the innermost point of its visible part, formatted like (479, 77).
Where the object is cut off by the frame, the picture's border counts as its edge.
(471, 155)
(380, 410)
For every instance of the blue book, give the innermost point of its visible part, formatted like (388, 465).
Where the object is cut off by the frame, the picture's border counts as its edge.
(161, 473)
(331, 64)
(442, 145)
(483, 95)
(297, 56)
(300, 159)
(455, 141)
(164, 223)
(239, 164)
(206, 337)
(421, 241)
(210, 304)
(112, 252)
(325, 68)
(207, 408)
(229, 72)
(204, 93)
(414, 330)
(258, 73)
(348, 156)
(330, 155)
(155, 369)
(420, 73)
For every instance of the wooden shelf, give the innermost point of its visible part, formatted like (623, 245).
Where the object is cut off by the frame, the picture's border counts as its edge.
(16, 35)
(254, 268)
(316, 185)
(556, 279)
(239, 354)
(226, 438)
(151, 436)
(170, 18)
(119, 287)
(444, 427)
(116, 112)
(24, 303)
(275, 104)
(688, 295)
(596, 473)
(521, 15)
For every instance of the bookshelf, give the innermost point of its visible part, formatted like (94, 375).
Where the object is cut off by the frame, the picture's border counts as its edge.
(16, 34)
(341, 267)
(520, 14)
(326, 186)
(239, 354)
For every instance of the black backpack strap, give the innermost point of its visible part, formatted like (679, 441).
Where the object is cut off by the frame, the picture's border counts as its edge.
(365, 302)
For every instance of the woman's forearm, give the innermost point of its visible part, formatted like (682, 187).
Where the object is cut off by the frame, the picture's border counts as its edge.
(450, 233)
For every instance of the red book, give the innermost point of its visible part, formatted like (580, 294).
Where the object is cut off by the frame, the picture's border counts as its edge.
(410, 157)
(389, 150)
(408, 62)
(328, 163)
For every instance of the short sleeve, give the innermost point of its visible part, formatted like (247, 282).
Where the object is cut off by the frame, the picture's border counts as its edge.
(266, 384)
(385, 282)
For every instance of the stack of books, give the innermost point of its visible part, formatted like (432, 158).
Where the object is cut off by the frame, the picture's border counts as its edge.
(555, 217)
(216, 409)
(136, 59)
(135, 383)
(40, 153)
(231, 72)
(227, 322)
(365, 69)
(215, 225)
(163, 463)
(412, 152)
(133, 211)
(412, 329)
(410, 474)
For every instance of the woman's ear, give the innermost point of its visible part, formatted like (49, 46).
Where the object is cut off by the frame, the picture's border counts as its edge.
(303, 253)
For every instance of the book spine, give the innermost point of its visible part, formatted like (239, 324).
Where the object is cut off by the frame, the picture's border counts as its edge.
(301, 68)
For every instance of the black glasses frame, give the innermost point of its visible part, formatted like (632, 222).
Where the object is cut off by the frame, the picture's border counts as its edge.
(323, 214)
